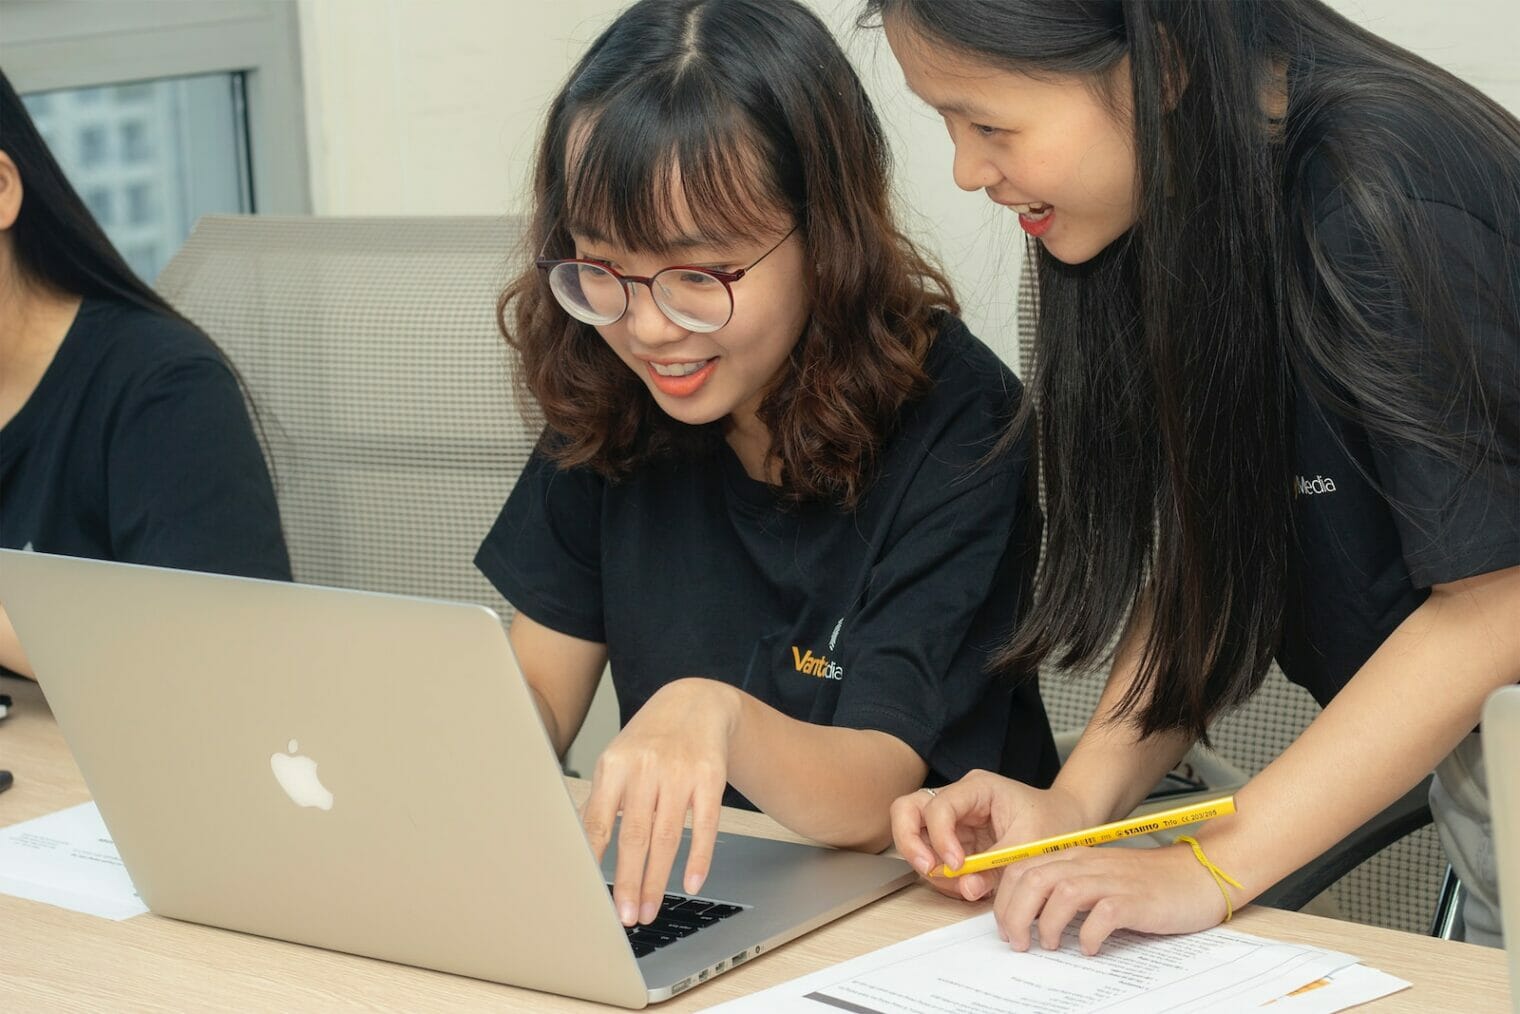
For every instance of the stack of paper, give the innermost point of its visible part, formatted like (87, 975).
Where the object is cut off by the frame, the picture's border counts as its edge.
(968, 968)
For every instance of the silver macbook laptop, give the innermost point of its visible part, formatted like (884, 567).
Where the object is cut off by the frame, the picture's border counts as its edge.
(368, 773)
(1501, 760)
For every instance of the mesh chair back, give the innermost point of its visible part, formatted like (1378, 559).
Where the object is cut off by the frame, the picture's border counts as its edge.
(1396, 888)
(370, 350)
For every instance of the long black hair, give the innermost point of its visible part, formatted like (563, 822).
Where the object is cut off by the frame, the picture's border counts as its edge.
(56, 241)
(1166, 366)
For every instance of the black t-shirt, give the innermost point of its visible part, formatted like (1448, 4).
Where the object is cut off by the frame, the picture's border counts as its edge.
(882, 618)
(137, 446)
(1378, 522)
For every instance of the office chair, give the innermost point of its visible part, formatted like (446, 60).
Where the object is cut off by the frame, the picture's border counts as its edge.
(370, 352)
(1385, 873)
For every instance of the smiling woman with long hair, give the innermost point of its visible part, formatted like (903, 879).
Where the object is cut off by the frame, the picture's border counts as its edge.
(1277, 408)
(770, 491)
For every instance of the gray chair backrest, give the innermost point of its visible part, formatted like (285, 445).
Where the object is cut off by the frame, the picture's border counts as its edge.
(370, 350)
(1396, 888)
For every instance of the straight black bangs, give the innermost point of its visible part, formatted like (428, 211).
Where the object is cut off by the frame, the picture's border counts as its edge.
(670, 163)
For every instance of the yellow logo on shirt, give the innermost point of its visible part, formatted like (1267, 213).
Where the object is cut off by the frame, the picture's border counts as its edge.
(816, 665)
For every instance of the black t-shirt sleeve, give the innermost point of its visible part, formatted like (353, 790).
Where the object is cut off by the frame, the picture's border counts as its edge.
(1456, 518)
(543, 553)
(941, 599)
(186, 482)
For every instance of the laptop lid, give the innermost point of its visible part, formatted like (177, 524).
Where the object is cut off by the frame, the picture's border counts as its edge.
(365, 773)
(1501, 761)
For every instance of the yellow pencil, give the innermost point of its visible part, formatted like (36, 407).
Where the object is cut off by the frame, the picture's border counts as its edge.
(1151, 822)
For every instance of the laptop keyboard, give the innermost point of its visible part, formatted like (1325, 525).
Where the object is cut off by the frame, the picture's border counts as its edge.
(679, 917)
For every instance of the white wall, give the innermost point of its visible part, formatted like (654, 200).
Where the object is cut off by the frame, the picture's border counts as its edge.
(1474, 39)
(430, 108)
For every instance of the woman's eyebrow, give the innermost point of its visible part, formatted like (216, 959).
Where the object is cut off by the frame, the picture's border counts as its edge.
(969, 110)
(965, 109)
(957, 107)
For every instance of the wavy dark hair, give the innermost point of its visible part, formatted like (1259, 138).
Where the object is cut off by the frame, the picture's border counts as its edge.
(758, 110)
(1166, 366)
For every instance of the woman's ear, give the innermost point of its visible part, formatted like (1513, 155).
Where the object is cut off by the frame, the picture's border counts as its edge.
(10, 191)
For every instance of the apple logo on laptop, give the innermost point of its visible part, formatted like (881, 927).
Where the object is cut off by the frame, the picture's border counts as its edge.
(297, 775)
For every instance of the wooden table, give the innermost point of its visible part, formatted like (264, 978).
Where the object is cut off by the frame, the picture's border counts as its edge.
(52, 959)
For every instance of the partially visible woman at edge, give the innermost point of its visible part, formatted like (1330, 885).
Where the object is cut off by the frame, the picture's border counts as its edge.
(768, 493)
(1277, 408)
(123, 432)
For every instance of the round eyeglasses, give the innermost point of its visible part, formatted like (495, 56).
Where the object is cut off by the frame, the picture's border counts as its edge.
(697, 299)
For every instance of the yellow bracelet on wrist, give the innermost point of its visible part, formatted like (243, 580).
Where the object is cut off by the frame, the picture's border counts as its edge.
(1220, 876)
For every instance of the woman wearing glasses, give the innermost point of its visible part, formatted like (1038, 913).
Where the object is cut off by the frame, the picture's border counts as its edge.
(771, 490)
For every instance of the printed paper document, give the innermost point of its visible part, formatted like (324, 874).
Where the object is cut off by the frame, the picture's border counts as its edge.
(967, 968)
(67, 859)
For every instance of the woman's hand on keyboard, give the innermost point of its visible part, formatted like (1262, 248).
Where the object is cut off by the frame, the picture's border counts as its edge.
(670, 759)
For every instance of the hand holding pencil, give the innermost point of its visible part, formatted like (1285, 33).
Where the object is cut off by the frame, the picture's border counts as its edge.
(982, 811)
(1163, 820)
(1039, 880)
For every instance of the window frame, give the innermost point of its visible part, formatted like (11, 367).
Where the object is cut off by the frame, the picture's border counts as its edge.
(87, 43)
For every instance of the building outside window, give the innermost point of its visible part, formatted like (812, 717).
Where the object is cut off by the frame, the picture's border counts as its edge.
(179, 152)
(102, 204)
(91, 147)
(162, 111)
(135, 146)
